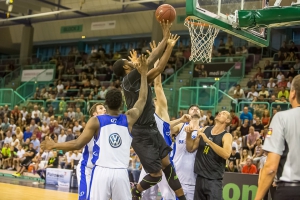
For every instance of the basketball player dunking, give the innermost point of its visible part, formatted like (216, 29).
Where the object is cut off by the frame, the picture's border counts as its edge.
(182, 159)
(112, 135)
(147, 142)
(213, 145)
(85, 165)
(163, 124)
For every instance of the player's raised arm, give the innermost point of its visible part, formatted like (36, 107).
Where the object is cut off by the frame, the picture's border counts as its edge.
(153, 73)
(191, 144)
(134, 113)
(157, 52)
(89, 131)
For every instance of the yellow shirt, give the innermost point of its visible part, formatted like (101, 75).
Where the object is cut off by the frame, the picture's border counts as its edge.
(285, 93)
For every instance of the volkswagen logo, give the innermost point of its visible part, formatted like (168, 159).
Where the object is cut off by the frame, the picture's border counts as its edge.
(115, 140)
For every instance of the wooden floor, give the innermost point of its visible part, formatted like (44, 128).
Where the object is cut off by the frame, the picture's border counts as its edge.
(10, 192)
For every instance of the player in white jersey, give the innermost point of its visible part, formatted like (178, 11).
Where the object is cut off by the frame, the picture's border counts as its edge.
(183, 160)
(112, 142)
(85, 165)
(163, 124)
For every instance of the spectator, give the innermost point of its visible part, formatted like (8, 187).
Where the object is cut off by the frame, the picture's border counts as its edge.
(70, 135)
(60, 94)
(37, 119)
(289, 83)
(271, 84)
(292, 72)
(79, 115)
(60, 86)
(283, 83)
(210, 119)
(35, 142)
(249, 168)
(27, 134)
(234, 121)
(238, 93)
(35, 111)
(259, 83)
(66, 120)
(76, 127)
(24, 111)
(66, 164)
(14, 144)
(259, 73)
(62, 136)
(170, 70)
(8, 139)
(246, 115)
(32, 125)
(251, 139)
(19, 134)
(57, 128)
(293, 47)
(46, 118)
(18, 158)
(75, 159)
(297, 64)
(45, 129)
(292, 57)
(265, 120)
(263, 92)
(280, 77)
(52, 163)
(284, 48)
(234, 157)
(245, 127)
(251, 83)
(102, 93)
(5, 155)
(268, 68)
(71, 114)
(244, 50)
(29, 155)
(252, 94)
(5, 125)
(244, 157)
(258, 126)
(258, 152)
(283, 92)
(231, 167)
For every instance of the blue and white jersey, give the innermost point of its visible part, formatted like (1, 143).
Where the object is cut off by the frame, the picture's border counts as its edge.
(112, 145)
(164, 129)
(87, 155)
(182, 159)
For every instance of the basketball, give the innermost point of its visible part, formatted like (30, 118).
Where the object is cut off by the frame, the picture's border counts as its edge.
(165, 12)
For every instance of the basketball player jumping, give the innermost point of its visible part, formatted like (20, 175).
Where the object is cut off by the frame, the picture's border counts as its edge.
(85, 165)
(182, 159)
(213, 145)
(113, 139)
(163, 124)
(147, 142)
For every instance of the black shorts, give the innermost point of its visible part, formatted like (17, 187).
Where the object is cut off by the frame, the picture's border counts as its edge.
(207, 189)
(25, 163)
(150, 146)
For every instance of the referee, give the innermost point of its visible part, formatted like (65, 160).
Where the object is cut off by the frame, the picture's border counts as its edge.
(282, 145)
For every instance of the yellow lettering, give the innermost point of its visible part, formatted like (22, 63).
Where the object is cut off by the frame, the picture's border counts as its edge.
(206, 149)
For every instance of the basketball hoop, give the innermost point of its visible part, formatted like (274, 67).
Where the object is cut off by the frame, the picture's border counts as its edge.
(202, 39)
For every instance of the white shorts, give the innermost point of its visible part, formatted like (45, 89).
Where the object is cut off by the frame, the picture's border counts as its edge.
(83, 178)
(151, 194)
(108, 183)
(189, 191)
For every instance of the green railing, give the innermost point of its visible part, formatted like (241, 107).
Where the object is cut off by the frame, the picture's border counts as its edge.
(10, 97)
(225, 96)
(205, 97)
(11, 76)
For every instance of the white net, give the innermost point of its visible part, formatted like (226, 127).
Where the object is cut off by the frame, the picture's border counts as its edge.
(202, 39)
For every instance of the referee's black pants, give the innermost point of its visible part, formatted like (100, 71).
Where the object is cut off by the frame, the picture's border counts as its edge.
(207, 189)
(287, 193)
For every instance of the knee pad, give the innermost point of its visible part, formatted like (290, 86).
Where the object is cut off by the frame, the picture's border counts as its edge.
(172, 178)
(149, 181)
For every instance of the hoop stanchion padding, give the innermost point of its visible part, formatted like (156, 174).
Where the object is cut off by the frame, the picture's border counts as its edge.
(202, 39)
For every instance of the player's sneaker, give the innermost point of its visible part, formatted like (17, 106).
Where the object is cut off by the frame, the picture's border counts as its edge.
(16, 174)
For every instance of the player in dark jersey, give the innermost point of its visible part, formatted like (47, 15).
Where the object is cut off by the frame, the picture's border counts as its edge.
(214, 148)
(147, 142)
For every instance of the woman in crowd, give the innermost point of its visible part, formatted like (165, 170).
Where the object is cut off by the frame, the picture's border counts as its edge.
(244, 157)
(265, 120)
(231, 167)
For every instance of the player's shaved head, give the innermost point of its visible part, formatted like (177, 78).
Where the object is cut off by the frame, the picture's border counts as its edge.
(118, 68)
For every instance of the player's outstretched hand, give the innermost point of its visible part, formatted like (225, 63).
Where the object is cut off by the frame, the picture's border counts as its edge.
(185, 118)
(142, 65)
(165, 26)
(133, 56)
(173, 39)
(153, 46)
(47, 144)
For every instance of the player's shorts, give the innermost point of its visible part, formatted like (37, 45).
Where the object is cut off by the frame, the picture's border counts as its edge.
(208, 188)
(109, 183)
(150, 146)
(83, 174)
(25, 163)
(151, 194)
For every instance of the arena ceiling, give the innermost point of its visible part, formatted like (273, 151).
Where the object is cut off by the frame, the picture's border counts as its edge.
(35, 11)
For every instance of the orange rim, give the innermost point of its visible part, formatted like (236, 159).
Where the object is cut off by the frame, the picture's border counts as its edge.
(188, 20)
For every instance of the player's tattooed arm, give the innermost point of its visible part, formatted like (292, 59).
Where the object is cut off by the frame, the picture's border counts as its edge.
(157, 52)
(88, 133)
(134, 113)
(153, 73)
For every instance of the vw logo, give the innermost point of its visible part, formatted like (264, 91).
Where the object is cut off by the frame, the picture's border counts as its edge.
(115, 140)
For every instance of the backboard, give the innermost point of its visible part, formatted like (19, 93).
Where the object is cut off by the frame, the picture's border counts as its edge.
(223, 15)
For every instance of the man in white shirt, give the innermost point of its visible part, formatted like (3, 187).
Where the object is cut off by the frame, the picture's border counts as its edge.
(75, 159)
(103, 92)
(36, 143)
(71, 114)
(288, 85)
(252, 93)
(8, 139)
(33, 126)
(35, 111)
(76, 127)
(67, 163)
(62, 137)
(79, 115)
(15, 143)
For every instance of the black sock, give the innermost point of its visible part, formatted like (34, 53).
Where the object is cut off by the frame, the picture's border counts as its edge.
(181, 198)
(172, 177)
(149, 181)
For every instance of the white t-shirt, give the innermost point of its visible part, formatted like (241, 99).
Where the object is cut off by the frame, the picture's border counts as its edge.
(279, 78)
(76, 157)
(37, 112)
(47, 155)
(241, 92)
(13, 128)
(250, 95)
(68, 157)
(8, 140)
(75, 128)
(24, 113)
(71, 115)
(15, 143)
(59, 87)
(271, 86)
(288, 85)
(61, 138)
(20, 153)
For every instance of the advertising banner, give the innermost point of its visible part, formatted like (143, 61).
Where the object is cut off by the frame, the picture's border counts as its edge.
(41, 74)
(103, 25)
(59, 177)
(238, 186)
(71, 29)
